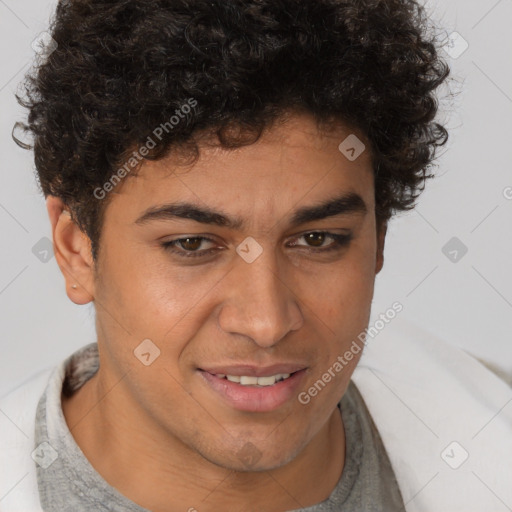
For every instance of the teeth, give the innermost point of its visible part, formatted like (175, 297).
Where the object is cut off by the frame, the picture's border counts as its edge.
(246, 380)
(265, 381)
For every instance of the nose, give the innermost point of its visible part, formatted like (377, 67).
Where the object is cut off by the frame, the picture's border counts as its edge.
(259, 302)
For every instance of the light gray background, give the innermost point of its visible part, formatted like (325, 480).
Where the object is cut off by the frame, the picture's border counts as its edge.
(467, 303)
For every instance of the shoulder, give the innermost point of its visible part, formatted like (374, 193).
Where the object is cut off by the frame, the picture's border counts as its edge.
(18, 479)
(18, 483)
(443, 419)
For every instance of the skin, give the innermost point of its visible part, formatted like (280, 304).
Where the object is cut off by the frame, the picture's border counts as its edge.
(158, 433)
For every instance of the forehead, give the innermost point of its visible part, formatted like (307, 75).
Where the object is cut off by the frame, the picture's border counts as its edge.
(295, 161)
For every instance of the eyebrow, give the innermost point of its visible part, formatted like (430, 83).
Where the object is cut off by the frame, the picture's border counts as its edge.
(345, 204)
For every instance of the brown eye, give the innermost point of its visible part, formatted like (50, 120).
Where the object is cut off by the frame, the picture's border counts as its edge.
(192, 247)
(315, 239)
(191, 244)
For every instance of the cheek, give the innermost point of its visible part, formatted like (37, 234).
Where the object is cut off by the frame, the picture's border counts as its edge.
(341, 293)
(340, 304)
(138, 299)
(150, 292)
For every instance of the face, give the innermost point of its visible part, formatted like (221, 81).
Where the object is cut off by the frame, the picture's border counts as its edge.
(251, 263)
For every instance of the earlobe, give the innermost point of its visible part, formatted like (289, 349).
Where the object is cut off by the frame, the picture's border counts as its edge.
(72, 250)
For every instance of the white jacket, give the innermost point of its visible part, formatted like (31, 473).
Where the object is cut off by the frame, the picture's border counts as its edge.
(444, 418)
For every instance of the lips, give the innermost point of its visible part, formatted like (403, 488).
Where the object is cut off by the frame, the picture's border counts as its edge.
(249, 395)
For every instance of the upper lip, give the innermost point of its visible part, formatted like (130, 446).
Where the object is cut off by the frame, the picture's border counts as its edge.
(254, 371)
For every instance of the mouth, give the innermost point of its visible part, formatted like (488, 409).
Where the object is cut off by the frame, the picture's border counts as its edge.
(254, 393)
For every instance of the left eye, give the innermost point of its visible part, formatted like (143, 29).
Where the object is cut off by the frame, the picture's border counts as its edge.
(316, 239)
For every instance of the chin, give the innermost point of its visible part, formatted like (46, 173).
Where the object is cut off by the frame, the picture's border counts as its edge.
(254, 457)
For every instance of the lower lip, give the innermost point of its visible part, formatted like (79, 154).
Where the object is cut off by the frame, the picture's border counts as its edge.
(252, 398)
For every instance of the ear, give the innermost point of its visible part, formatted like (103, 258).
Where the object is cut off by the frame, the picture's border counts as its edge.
(72, 249)
(382, 228)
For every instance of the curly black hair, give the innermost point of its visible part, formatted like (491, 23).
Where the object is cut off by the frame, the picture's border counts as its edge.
(123, 68)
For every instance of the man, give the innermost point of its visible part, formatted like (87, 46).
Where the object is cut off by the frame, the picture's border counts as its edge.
(219, 177)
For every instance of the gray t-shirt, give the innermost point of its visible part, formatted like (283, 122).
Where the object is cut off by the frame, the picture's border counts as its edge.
(71, 484)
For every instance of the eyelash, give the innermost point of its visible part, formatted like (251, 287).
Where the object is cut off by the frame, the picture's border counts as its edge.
(340, 241)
